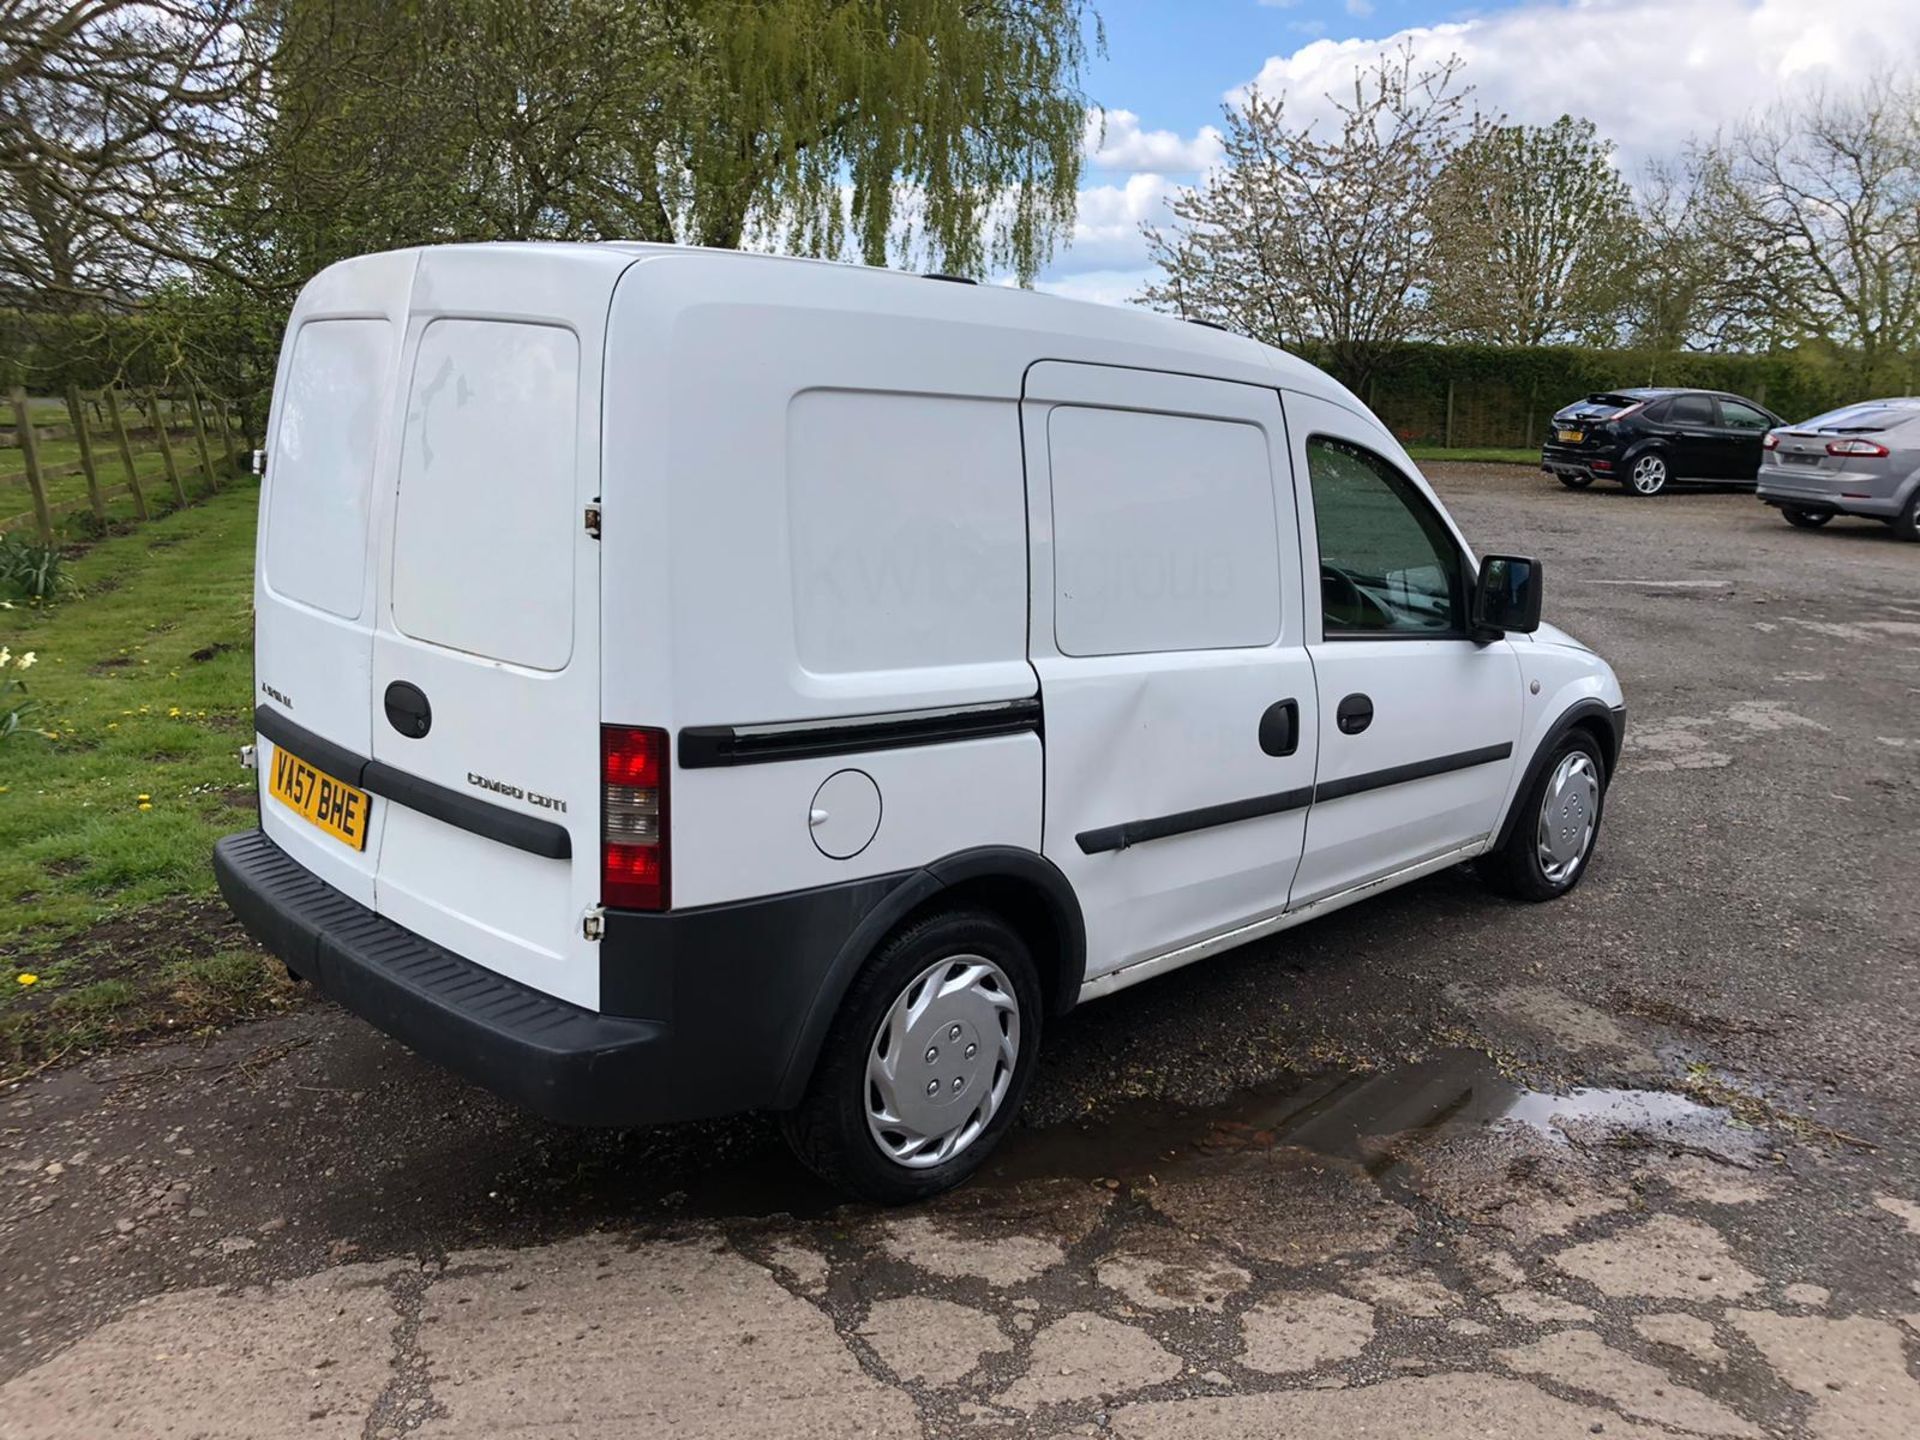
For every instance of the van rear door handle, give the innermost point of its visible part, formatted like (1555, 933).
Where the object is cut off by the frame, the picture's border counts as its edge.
(1280, 728)
(1353, 714)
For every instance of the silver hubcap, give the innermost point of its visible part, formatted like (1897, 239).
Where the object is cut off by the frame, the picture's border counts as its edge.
(942, 1061)
(1568, 816)
(1649, 474)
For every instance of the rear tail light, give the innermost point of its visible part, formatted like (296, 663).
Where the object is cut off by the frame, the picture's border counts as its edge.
(633, 818)
(1855, 447)
(1772, 442)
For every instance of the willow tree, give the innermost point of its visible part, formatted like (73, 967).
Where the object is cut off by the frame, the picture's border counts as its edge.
(940, 132)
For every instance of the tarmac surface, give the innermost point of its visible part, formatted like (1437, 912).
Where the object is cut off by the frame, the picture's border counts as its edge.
(1641, 1162)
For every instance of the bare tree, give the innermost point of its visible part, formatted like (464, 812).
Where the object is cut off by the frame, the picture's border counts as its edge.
(1813, 216)
(111, 113)
(1537, 239)
(1320, 240)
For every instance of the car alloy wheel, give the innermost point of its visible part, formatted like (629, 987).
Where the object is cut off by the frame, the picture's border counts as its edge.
(1649, 475)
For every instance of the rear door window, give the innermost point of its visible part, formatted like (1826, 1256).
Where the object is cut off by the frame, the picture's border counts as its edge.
(483, 544)
(1691, 410)
(321, 471)
(1736, 416)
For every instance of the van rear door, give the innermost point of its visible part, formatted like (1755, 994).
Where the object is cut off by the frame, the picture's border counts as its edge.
(485, 684)
(329, 440)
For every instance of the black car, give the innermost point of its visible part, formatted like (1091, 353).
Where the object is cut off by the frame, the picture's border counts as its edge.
(1645, 438)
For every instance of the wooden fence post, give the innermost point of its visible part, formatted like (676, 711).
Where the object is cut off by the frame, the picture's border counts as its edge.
(78, 413)
(166, 448)
(200, 436)
(30, 451)
(1449, 413)
(226, 435)
(126, 453)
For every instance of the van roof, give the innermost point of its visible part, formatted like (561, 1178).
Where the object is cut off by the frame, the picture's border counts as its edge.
(1207, 349)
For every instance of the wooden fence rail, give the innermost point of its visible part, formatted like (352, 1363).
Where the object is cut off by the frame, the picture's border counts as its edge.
(159, 419)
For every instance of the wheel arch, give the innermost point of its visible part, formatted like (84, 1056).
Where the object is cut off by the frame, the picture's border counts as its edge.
(1024, 888)
(1603, 722)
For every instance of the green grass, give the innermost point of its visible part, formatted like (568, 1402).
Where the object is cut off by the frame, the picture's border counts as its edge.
(1478, 455)
(16, 504)
(142, 684)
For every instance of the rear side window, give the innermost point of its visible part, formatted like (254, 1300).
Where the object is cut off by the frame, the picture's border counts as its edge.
(1690, 410)
(484, 536)
(1388, 563)
(1164, 533)
(907, 521)
(321, 471)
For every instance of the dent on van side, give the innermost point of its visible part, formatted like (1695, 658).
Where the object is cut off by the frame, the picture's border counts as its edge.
(691, 682)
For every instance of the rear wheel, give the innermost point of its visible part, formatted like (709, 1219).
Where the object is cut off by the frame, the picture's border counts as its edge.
(927, 1062)
(1555, 825)
(1648, 474)
(1574, 480)
(1907, 526)
(1805, 519)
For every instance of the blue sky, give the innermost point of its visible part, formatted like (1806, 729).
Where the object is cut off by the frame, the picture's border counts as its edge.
(1652, 74)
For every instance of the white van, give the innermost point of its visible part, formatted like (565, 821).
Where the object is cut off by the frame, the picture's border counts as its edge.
(691, 682)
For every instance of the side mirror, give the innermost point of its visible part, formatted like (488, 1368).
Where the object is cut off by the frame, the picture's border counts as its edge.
(1506, 597)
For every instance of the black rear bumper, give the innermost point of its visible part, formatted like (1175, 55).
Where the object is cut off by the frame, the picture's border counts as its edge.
(721, 994)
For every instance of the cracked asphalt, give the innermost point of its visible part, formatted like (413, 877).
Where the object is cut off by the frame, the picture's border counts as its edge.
(1639, 1163)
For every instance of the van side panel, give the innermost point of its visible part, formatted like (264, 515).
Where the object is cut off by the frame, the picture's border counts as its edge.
(814, 513)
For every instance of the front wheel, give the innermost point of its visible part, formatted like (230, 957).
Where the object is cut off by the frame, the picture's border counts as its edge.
(1648, 475)
(1555, 825)
(926, 1063)
(1803, 519)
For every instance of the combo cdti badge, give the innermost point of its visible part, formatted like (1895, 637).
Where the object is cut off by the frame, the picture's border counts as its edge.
(691, 682)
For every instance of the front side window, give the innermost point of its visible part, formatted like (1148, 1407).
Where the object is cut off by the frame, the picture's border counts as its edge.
(1388, 564)
(1736, 416)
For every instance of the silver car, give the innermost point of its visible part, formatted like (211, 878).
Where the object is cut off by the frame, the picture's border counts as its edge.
(1861, 459)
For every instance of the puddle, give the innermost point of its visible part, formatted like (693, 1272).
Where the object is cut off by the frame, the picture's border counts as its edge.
(1378, 1119)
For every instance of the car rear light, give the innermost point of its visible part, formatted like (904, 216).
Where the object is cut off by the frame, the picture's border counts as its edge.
(1855, 447)
(1772, 442)
(633, 818)
(1601, 464)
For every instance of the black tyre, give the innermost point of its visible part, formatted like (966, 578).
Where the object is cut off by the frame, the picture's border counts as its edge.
(1556, 825)
(1805, 519)
(1647, 473)
(926, 1063)
(1574, 480)
(1907, 525)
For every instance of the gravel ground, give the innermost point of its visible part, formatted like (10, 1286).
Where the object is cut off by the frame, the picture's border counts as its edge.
(1268, 1194)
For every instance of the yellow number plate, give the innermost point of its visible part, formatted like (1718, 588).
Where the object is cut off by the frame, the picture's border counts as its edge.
(1569, 437)
(333, 805)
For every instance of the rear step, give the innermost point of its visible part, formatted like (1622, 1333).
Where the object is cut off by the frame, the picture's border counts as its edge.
(558, 1060)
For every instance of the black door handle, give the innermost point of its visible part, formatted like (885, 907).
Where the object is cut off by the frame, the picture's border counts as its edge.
(1280, 728)
(1353, 714)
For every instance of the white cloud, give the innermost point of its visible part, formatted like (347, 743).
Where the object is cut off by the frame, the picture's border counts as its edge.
(1652, 74)
(1125, 146)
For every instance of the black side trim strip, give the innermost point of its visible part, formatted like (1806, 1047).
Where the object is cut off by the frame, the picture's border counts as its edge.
(336, 760)
(522, 832)
(1119, 837)
(1418, 770)
(705, 747)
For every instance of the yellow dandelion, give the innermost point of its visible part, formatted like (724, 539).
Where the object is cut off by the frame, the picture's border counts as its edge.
(27, 977)
(145, 806)
(143, 797)
(113, 724)
(173, 712)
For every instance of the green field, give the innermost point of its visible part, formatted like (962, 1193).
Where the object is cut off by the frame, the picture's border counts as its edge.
(1487, 455)
(118, 783)
(149, 464)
